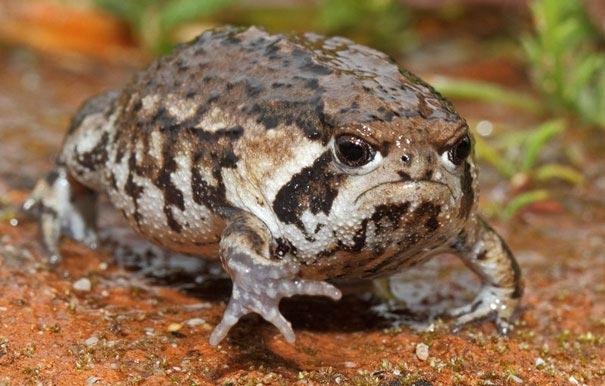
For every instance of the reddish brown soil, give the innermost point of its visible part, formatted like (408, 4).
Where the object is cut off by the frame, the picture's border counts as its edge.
(132, 330)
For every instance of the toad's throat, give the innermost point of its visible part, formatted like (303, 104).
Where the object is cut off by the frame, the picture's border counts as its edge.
(403, 182)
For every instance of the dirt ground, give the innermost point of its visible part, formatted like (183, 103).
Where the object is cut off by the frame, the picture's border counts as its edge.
(131, 314)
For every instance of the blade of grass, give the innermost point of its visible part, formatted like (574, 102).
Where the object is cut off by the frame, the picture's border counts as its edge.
(563, 172)
(536, 141)
(489, 154)
(522, 200)
(483, 91)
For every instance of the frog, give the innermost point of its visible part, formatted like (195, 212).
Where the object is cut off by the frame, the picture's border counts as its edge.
(296, 161)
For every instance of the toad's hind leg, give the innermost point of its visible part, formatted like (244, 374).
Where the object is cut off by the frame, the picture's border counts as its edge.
(64, 207)
(259, 283)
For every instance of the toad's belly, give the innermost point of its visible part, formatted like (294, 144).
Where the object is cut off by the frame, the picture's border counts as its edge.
(365, 265)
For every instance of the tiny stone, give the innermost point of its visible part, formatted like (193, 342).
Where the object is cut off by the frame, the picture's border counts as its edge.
(91, 341)
(350, 365)
(91, 380)
(539, 362)
(573, 380)
(174, 327)
(195, 322)
(422, 351)
(82, 284)
(515, 378)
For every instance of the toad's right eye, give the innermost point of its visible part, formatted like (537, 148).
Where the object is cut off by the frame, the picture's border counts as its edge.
(353, 151)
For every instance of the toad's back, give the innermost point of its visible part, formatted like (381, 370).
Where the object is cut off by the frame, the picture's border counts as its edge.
(159, 147)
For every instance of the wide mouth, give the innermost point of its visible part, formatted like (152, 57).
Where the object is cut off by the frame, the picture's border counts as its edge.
(404, 182)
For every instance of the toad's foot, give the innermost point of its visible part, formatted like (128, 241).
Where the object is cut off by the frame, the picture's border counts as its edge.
(64, 207)
(259, 288)
(491, 303)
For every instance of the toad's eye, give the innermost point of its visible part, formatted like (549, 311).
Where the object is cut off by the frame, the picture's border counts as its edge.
(461, 149)
(353, 151)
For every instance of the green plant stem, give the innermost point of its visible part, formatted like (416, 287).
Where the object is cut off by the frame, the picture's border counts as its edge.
(563, 172)
(489, 154)
(537, 139)
(488, 92)
(522, 200)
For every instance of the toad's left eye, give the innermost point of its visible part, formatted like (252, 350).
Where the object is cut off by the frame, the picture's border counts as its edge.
(461, 149)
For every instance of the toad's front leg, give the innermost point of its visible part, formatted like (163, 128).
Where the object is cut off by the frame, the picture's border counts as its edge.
(259, 283)
(484, 251)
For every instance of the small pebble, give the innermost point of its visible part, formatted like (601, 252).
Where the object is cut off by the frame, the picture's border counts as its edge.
(91, 341)
(350, 365)
(174, 327)
(422, 351)
(515, 378)
(91, 380)
(539, 362)
(195, 322)
(83, 285)
(573, 380)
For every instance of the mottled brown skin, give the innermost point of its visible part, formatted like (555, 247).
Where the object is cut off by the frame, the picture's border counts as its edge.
(296, 159)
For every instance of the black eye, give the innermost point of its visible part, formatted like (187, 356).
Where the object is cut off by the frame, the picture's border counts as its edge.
(458, 153)
(353, 151)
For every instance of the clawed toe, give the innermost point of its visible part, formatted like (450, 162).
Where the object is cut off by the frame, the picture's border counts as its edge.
(492, 304)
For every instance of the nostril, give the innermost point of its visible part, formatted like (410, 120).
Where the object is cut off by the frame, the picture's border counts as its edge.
(406, 159)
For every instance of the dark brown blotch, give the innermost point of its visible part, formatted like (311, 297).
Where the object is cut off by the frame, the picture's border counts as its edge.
(95, 157)
(314, 188)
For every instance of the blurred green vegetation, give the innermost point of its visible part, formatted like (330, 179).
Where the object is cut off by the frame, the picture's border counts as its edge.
(517, 156)
(564, 59)
(153, 21)
(566, 63)
(156, 23)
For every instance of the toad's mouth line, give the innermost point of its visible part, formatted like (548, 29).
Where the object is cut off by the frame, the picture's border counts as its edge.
(404, 182)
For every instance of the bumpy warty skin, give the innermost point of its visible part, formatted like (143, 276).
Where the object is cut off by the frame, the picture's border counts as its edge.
(230, 147)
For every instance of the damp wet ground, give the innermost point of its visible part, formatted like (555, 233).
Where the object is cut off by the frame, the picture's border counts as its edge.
(131, 313)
